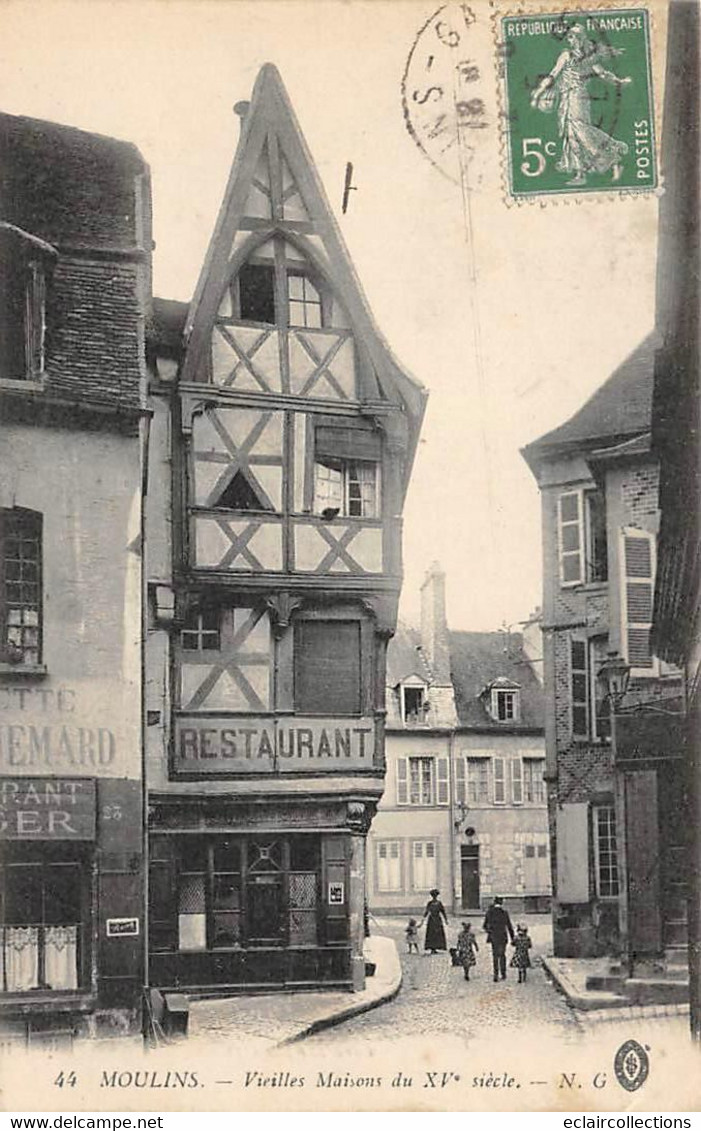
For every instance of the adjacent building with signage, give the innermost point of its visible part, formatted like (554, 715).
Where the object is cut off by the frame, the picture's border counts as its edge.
(281, 446)
(74, 275)
(617, 800)
(464, 807)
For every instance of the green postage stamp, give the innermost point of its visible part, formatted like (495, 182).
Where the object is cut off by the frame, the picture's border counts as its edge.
(578, 102)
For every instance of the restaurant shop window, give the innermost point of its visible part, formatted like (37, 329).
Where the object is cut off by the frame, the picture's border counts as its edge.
(44, 907)
(231, 893)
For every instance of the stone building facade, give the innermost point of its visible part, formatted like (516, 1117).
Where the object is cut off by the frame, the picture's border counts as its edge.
(464, 806)
(618, 845)
(74, 280)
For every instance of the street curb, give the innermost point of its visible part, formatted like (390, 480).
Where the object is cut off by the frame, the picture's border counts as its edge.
(348, 1011)
(587, 1002)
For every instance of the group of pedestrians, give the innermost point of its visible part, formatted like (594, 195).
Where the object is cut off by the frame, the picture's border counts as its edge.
(497, 924)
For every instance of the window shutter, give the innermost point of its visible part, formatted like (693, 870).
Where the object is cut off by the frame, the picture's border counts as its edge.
(499, 782)
(460, 792)
(341, 442)
(638, 560)
(516, 781)
(402, 797)
(570, 538)
(442, 791)
(579, 689)
(327, 668)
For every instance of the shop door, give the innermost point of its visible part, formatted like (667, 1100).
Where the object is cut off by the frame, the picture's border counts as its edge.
(266, 919)
(470, 869)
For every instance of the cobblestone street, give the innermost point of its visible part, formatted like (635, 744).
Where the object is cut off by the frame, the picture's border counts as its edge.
(435, 998)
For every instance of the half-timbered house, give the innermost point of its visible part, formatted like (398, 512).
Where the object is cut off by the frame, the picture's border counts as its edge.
(282, 442)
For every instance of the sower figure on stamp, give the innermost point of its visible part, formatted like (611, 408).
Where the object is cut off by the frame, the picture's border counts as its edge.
(585, 148)
(497, 924)
(434, 918)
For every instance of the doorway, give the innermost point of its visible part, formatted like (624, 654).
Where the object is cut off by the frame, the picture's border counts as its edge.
(470, 875)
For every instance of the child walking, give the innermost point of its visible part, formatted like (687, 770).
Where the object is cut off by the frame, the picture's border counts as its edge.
(521, 958)
(412, 936)
(467, 946)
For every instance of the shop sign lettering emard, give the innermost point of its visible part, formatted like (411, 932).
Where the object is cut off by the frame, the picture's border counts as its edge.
(40, 730)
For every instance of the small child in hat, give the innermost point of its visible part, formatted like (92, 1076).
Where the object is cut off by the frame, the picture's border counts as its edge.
(521, 958)
(412, 936)
(467, 946)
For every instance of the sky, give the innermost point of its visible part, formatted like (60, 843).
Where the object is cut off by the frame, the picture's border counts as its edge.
(511, 314)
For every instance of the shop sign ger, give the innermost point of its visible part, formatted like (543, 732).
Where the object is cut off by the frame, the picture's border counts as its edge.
(207, 746)
(47, 809)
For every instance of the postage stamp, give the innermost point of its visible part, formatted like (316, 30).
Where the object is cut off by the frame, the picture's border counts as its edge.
(578, 105)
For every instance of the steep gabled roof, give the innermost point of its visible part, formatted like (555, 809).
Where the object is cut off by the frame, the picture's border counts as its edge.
(478, 660)
(270, 127)
(619, 409)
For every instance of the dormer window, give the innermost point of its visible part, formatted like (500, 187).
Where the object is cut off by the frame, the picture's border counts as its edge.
(414, 704)
(505, 702)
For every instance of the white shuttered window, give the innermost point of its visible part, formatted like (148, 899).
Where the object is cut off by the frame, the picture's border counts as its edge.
(389, 872)
(424, 872)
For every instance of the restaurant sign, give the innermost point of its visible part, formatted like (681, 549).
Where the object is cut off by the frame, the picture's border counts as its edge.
(47, 809)
(250, 745)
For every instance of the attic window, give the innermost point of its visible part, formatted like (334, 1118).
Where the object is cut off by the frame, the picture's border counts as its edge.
(276, 287)
(414, 704)
(23, 301)
(506, 705)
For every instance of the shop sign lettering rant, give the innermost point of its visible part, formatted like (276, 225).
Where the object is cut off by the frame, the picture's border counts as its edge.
(47, 809)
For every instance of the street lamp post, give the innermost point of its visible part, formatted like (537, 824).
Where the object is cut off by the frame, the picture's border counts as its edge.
(613, 675)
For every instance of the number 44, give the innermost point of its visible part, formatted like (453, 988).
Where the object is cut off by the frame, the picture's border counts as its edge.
(70, 1080)
(531, 148)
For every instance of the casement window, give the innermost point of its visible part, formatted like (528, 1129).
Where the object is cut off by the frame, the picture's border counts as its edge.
(201, 631)
(22, 326)
(605, 851)
(20, 586)
(44, 927)
(414, 704)
(424, 865)
(303, 301)
(506, 705)
(499, 775)
(516, 770)
(589, 709)
(275, 288)
(637, 584)
(346, 478)
(477, 781)
(388, 865)
(422, 781)
(533, 784)
(582, 541)
(327, 667)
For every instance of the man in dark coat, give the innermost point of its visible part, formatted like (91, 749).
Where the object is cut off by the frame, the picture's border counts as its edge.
(497, 924)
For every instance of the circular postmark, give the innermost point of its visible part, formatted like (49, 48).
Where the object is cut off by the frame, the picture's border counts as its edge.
(444, 94)
(631, 1065)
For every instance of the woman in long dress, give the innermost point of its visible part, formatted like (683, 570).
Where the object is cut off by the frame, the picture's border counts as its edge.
(434, 918)
(585, 147)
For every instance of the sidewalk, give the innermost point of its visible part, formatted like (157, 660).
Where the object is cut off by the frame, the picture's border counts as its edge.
(267, 1020)
(570, 976)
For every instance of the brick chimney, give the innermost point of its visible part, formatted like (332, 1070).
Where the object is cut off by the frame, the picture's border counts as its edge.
(434, 628)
